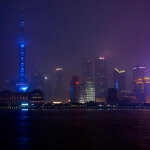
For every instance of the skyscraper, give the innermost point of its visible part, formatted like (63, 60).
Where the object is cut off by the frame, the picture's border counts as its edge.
(37, 81)
(86, 92)
(58, 90)
(74, 89)
(100, 79)
(87, 88)
(119, 79)
(138, 72)
(47, 89)
(86, 70)
(22, 84)
(140, 90)
(147, 89)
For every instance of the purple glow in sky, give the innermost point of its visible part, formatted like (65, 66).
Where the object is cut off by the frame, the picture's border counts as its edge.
(60, 33)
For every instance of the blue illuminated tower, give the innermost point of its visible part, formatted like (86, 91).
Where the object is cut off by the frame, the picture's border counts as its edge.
(22, 84)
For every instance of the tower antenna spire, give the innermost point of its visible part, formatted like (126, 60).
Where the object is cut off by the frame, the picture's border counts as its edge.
(22, 19)
(21, 4)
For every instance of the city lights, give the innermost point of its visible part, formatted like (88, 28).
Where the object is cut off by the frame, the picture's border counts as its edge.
(121, 71)
(75, 74)
(102, 58)
(57, 69)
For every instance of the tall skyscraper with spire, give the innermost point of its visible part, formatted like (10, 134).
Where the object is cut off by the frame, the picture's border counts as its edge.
(22, 84)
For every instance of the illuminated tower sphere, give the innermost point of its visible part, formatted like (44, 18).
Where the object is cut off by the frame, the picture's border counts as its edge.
(101, 84)
(22, 84)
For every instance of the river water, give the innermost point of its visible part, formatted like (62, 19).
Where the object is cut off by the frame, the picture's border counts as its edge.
(75, 129)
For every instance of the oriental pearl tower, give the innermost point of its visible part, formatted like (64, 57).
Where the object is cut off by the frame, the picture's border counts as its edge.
(22, 84)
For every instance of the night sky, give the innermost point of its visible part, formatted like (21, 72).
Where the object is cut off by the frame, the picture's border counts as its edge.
(60, 33)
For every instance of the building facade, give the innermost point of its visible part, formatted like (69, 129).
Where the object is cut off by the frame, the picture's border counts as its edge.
(87, 92)
(36, 97)
(37, 81)
(119, 79)
(86, 70)
(138, 72)
(58, 89)
(147, 89)
(142, 90)
(74, 89)
(101, 83)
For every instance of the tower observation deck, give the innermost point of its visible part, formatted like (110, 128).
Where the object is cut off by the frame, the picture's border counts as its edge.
(22, 84)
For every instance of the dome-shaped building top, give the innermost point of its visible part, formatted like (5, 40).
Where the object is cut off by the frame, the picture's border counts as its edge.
(36, 97)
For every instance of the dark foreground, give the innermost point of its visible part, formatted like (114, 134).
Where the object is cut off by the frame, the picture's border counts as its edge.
(75, 129)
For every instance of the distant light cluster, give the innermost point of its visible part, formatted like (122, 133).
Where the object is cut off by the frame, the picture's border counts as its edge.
(121, 71)
(57, 69)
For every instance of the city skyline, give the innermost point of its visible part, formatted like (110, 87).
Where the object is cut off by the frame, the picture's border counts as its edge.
(76, 76)
(61, 32)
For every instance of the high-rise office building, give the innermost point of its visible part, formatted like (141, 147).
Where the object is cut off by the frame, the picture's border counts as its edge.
(87, 92)
(138, 72)
(119, 79)
(147, 89)
(142, 90)
(58, 89)
(22, 84)
(47, 89)
(101, 79)
(74, 89)
(86, 70)
(37, 81)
